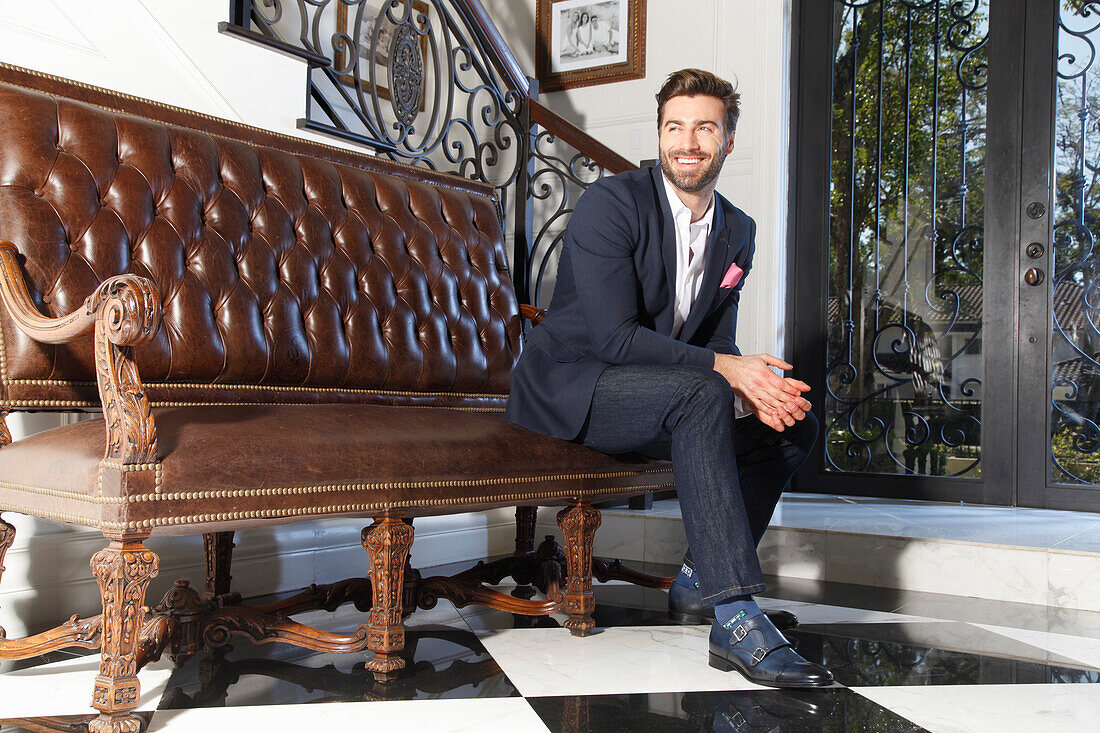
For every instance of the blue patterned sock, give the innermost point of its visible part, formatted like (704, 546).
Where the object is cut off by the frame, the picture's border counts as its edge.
(688, 578)
(733, 611)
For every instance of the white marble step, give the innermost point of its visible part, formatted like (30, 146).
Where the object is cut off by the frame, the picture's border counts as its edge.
(1034, 556)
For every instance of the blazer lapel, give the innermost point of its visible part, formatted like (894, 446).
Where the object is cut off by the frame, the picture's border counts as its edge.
(668, 233)
(715, 267)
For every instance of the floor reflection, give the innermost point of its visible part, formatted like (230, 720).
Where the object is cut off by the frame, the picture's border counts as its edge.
(441, 663)
(794, 711)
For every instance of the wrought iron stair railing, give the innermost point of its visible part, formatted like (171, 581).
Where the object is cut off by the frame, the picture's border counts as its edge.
(433, 83)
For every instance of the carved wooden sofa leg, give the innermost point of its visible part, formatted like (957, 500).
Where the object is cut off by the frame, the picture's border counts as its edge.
(7, 537)
(579, 523)
(218, 547)
(387, 541)
(123, 570)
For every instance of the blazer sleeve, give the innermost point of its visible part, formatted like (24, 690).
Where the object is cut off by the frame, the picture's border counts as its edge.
(602, 236)
(719, 330)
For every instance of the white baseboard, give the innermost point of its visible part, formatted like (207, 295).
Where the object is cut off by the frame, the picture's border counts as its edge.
(47, 576)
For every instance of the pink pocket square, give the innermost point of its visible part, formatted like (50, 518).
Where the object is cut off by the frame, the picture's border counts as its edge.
(733, 276)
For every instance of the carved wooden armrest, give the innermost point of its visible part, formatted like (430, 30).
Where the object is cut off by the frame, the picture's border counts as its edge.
(531, 313)
(125, 311)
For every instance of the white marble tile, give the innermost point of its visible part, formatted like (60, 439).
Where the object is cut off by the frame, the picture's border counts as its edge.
(1014, 526)
(613, 661)
(1001, 708)
(65, 688)
(793, 553)
(1082, 649)
(497, 715)
(621, 537)
(954, 568)
(665, 541)
(1085, 541)
(1074, 580)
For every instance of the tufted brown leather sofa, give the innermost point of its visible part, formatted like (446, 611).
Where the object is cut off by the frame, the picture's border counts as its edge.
(275, 330)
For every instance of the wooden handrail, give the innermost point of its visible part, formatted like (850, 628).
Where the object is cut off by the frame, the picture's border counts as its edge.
(569, 133)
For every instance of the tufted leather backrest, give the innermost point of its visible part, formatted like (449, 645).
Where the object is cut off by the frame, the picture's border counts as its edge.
(289, 271)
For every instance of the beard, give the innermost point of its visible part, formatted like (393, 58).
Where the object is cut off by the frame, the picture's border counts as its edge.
(695, 180)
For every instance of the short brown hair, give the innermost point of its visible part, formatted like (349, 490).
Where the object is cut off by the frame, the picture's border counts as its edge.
(691, 82)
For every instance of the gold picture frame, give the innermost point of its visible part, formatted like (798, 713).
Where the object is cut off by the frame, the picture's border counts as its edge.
(579, 43)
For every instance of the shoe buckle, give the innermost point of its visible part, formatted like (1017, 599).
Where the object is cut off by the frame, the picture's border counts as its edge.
(739, 632)
(758, 655)
(739, 720)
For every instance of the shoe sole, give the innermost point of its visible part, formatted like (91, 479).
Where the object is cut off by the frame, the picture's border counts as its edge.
(725, 665)
(688, 619)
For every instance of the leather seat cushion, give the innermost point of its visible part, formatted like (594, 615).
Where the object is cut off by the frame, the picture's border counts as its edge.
(247, 465)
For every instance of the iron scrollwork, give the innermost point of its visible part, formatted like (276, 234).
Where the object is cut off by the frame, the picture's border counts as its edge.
(1075, 357)
(904, 319)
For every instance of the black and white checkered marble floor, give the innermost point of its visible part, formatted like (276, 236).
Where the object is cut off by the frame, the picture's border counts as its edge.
(903, 662)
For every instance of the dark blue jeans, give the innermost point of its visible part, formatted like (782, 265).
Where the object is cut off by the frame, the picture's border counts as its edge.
(729, 473)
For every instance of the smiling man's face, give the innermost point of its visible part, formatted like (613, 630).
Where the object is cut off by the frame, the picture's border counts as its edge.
(693, 142)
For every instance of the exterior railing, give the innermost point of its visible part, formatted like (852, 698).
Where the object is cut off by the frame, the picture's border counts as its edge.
(432, 83)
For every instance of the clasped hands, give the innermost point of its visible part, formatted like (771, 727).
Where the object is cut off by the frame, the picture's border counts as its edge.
(776, 401)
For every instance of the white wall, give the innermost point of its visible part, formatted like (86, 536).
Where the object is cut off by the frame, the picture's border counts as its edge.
(745, 41)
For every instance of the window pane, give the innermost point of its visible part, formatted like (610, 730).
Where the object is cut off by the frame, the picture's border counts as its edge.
(906, 238)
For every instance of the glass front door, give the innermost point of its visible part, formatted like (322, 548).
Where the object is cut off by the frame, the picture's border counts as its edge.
(946, 270)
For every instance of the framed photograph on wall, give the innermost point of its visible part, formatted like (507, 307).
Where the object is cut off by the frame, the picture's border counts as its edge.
(371, 10)
(579, 43)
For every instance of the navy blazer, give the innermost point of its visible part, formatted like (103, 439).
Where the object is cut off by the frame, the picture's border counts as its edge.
(615, 297)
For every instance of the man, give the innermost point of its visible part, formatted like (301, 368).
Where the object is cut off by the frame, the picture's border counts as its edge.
(637, 353)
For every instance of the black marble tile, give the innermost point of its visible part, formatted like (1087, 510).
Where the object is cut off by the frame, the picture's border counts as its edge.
(442, 662)
(872, 655)
(791, 711)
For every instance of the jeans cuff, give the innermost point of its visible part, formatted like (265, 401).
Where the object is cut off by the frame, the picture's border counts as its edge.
(735, 590)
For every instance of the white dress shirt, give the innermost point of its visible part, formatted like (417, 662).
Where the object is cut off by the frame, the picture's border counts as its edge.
(691, 249)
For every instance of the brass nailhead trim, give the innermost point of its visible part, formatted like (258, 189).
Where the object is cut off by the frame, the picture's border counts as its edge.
(385, 486)
(62, 494)
(267, 513)
(71, 518)
(263, 387)
(352, 508)
(306, 490)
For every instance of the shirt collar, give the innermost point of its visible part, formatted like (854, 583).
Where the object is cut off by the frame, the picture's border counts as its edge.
(679, 207)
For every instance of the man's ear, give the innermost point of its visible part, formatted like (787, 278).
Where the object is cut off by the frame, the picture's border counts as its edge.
(729, 142)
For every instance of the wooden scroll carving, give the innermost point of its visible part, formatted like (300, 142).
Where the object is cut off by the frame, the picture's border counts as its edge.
(84, 632)
(125, 311)
(387, 541)
(123, 571)
(5, 433)
(220, 625)
(579, 524)
(219, 559)
(7, 537)
(328, 597)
